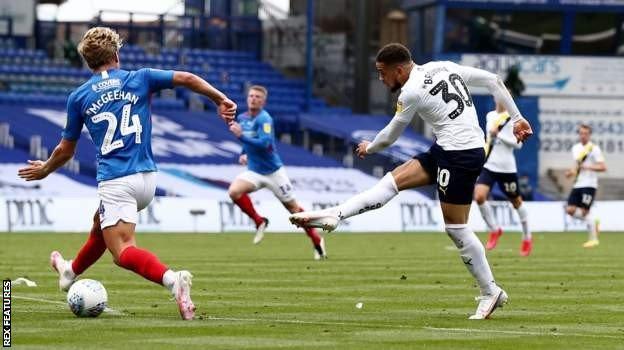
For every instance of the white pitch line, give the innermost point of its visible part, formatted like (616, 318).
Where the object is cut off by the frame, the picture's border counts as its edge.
(107, 310)
(553, 334)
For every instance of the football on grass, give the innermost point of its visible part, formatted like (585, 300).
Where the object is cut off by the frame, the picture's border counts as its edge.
(87, 298)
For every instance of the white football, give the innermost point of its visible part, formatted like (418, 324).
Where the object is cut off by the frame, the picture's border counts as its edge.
(87, 298)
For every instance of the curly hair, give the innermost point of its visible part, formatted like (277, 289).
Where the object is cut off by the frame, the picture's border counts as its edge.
(99, 46)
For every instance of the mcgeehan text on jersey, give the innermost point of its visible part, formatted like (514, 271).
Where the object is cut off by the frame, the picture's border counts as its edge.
(110, 97)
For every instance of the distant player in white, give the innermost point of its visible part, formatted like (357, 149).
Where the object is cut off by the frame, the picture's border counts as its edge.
(438, 93)
(589, 162)
(500, 167)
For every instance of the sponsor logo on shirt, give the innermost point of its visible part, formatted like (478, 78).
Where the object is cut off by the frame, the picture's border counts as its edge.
(266, 127)
(106, 85)
(399, 106)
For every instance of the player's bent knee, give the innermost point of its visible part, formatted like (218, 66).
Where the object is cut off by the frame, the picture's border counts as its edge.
(570, 210)
(234, 194)
(516, 202)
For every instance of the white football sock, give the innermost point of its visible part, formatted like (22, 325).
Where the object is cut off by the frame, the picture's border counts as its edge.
(169, 279)
(473, 255)
(373, 198)
(486, 214)
(524, 221)
(69, 270)
(591, 226)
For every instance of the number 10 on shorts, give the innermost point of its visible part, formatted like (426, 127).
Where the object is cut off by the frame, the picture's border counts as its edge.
(444, 176)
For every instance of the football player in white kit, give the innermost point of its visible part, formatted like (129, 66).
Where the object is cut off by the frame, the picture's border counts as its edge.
(438, 93)
(589, 162)
(500, 167)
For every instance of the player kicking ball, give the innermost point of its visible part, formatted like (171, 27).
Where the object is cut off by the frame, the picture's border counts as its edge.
(114, 105)
(589, 162)
(438, 93)
(500, 167)
(254, 128)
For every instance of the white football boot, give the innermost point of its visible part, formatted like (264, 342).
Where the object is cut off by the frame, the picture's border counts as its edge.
(260, 231)
(67, 277)
(489, 303)
(325, 219)
(322, 254)
(182, 294)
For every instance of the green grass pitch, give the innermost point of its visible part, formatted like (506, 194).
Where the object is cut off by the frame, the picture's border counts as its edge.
(415, 290)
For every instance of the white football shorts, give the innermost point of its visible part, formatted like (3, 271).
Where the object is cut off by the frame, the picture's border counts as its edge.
(122, 198)
(278, 182)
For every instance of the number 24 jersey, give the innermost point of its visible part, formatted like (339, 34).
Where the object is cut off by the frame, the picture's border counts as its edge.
(115, 107)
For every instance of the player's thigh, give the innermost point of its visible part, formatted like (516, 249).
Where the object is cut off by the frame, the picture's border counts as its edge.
(240, 186)
(279, 183)
(411, 174)
(455, 214)
(245, 182)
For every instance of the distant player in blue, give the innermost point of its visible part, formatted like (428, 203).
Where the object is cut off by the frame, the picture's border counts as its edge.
(114, 105)
(254, 129)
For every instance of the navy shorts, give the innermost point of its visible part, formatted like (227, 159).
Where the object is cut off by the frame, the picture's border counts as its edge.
(582, 197)
(454, 172)
(508, 182)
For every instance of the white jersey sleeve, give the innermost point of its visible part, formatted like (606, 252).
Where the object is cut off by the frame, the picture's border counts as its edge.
(405, 112)
(479, 77)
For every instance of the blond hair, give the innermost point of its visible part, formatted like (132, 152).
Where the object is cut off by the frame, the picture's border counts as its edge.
(260, 88)
(98, 46)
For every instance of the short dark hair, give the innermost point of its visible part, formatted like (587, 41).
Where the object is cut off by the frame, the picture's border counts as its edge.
(584, 126)
(394, 53)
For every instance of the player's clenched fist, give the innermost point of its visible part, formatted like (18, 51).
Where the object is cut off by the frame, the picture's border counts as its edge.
(227, 110)
(522, 130)
(361, 149)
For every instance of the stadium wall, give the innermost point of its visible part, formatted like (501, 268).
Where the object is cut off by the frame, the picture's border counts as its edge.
(175, 214)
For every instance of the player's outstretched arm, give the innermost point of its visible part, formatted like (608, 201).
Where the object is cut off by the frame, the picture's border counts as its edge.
(406, 110)
(479, 77)
(386, 137)
(37, 169)
(225, 106)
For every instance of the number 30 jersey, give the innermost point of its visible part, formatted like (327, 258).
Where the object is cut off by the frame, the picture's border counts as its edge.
(438, 93)
(114, 105)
